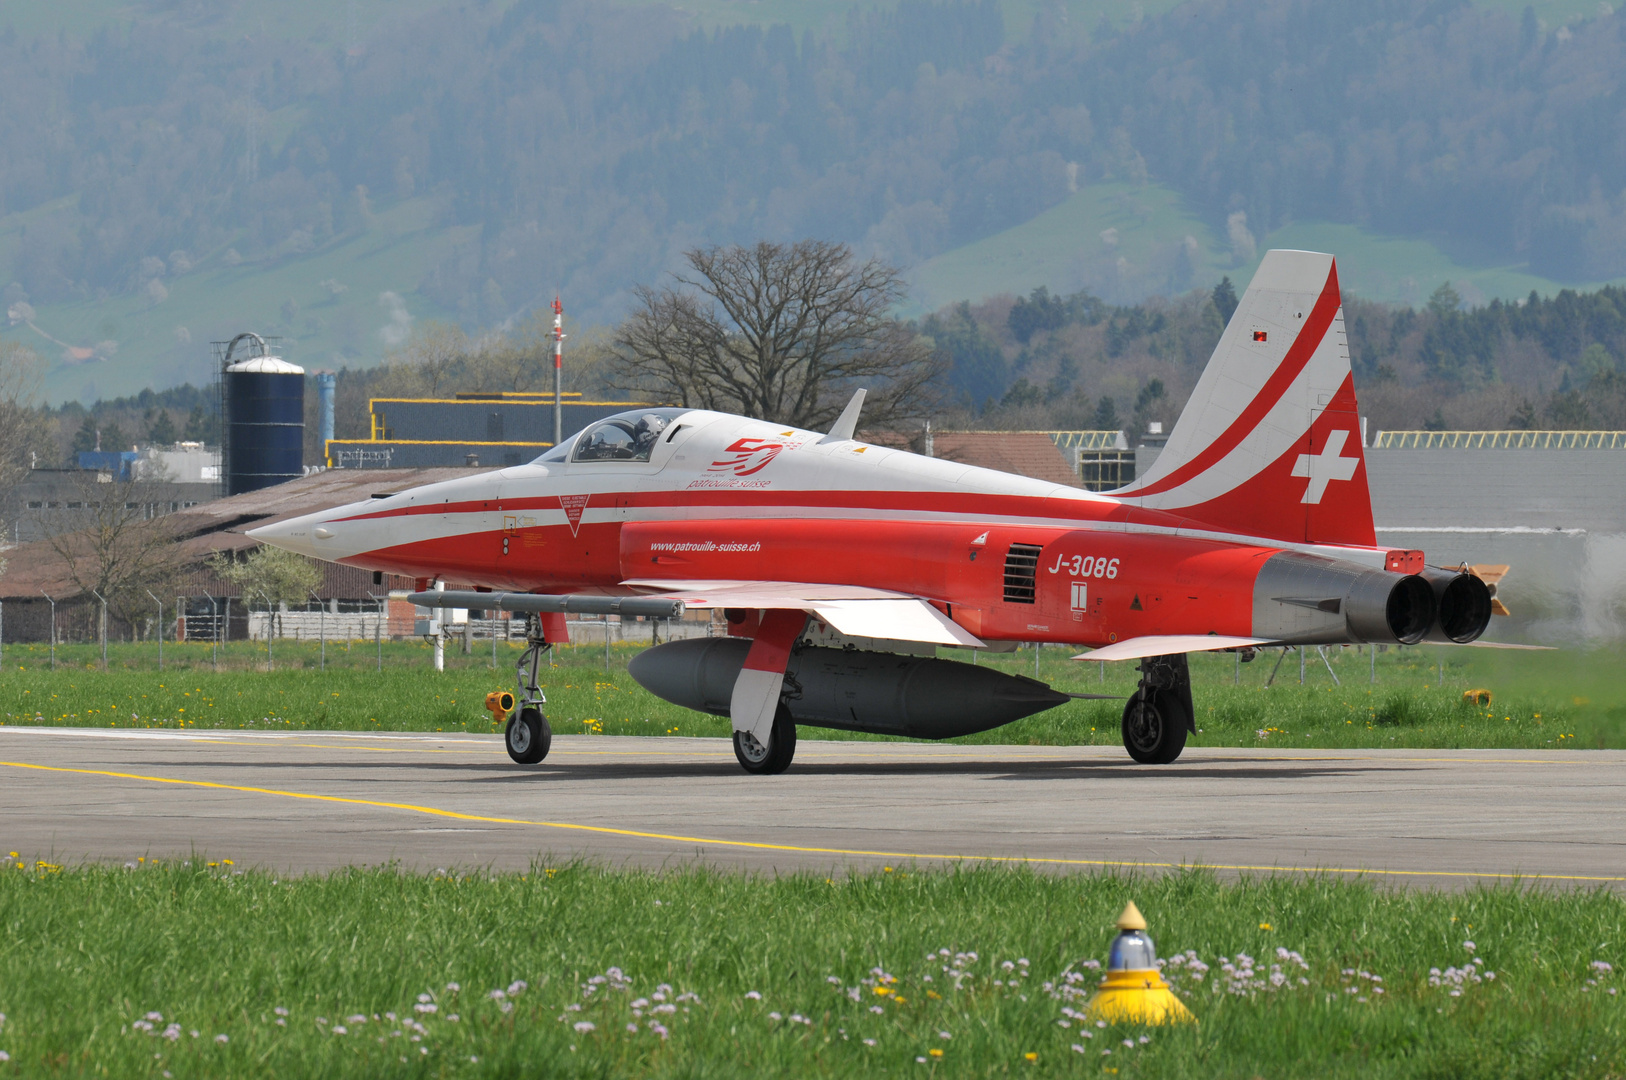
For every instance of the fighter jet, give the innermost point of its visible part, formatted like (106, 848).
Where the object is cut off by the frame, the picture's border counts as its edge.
(842, 566)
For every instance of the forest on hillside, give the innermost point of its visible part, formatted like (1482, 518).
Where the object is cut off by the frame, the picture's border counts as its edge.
(1034, 362)
(586, 144)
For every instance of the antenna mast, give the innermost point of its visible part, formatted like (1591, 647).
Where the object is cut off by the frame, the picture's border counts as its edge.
(558, 370)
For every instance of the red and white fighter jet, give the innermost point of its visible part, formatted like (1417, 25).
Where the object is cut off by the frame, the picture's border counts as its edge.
(842, 565)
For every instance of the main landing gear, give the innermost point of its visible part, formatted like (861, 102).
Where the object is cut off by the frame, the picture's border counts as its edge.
(529, 737)
(1159, 712)
(773, 758)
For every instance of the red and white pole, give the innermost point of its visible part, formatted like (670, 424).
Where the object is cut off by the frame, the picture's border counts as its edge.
(558, 370)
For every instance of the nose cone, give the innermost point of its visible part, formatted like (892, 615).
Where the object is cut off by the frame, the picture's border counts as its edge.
(301, 534)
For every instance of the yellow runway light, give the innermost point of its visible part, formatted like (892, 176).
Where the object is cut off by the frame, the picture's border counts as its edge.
(1134, 991)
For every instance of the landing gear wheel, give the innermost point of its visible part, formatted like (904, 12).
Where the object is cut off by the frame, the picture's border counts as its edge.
(529, 736)
(775, 757)
(1154, 728)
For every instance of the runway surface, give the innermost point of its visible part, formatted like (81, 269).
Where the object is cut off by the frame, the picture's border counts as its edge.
(312, 801)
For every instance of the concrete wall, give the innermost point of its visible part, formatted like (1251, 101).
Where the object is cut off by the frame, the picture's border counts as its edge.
(1557, 517)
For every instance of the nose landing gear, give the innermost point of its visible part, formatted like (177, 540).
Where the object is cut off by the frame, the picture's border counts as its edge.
(776, 756)
(529, 736)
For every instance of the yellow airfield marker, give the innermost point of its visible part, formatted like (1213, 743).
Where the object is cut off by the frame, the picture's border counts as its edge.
(1134, 991)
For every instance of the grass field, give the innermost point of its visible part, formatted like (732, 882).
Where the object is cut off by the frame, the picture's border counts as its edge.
(195, 970)
(1538, 699)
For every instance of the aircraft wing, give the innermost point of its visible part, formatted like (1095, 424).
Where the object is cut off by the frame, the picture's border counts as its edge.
(1165, 644)
(854, 610)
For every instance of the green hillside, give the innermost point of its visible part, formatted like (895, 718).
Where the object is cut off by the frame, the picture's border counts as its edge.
(1123, 242)
(329, 306)
(1119, 241)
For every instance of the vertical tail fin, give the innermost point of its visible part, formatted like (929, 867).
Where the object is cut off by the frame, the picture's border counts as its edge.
(1270, 442)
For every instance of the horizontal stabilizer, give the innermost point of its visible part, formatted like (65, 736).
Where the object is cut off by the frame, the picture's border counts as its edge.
(653, 607)
(1167, 644)
(1505, 645)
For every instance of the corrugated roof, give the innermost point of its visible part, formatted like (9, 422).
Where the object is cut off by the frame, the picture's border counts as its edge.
(1025, 453)
(220, 525)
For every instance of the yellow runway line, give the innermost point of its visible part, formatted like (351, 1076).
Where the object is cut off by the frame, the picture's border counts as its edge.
(605, 830)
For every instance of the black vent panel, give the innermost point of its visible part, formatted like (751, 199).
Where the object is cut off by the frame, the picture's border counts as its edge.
(1021, 567)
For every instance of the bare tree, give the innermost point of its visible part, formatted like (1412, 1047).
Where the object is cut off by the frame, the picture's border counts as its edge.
(119, 543)
(22, 428)
(782, 333)
(427, 363)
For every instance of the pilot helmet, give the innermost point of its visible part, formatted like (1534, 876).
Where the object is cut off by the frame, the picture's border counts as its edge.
(648, 427)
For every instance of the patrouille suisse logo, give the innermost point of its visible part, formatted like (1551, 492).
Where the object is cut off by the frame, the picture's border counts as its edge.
(573, 507)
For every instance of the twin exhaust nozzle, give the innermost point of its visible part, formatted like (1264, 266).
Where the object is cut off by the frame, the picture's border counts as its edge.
(1301, 597)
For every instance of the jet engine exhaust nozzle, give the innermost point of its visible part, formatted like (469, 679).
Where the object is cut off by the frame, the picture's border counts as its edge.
(1313, 600)
(1464, 603)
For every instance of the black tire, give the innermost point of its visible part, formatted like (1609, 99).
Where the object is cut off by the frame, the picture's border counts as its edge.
(774, 758)
(1154, 729)
(529, 736)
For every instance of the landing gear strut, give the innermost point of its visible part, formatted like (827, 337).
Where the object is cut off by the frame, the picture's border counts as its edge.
(1159, 712)
(773, 758)
(529, 737)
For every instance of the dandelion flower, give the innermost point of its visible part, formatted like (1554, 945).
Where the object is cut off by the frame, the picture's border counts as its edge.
(1031, 1056)
(935, 1052)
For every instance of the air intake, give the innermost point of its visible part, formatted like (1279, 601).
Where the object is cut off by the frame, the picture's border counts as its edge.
(1021, 566)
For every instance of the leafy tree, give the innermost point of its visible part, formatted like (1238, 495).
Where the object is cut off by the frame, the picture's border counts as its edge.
(200, 426)
(1444, 301)
(1022, 395)
(976, 366)
(1524, 417)
(270, 574)
(1225, 299)
(781, 332)
(1152, 403)
(1595, 361)
(1567, 411)
(160, 428)
(86, 437)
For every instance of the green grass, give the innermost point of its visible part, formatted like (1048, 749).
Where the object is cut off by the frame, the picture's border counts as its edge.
(223, 954)
(1540, 700)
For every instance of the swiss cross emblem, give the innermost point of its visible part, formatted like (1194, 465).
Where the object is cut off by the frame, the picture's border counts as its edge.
(573, 507)
(1327, 466)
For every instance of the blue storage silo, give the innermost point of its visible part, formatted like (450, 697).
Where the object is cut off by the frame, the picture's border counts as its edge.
(265, 417)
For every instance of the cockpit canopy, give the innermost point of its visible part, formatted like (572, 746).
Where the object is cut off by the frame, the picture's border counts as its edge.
(627, 436)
